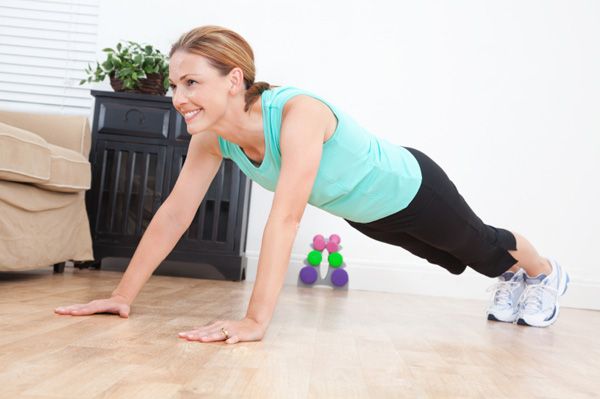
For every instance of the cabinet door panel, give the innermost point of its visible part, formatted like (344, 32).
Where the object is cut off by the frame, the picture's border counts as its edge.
(129, 188)
(211, 228)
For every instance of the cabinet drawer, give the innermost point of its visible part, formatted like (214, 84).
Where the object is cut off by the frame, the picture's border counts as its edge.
(132, 119)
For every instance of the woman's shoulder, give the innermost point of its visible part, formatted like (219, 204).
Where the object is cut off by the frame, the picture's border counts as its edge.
(287, 97)
(280, 95)
(310, 107)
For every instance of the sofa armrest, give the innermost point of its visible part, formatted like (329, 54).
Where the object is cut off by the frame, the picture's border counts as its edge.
(67, 131)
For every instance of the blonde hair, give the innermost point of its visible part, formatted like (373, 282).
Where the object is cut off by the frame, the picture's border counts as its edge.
(225, 50)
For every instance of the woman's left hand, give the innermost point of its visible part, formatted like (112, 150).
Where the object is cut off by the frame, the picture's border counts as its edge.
(230, 331)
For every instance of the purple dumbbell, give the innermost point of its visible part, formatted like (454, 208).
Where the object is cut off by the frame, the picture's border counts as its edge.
(339, 277)
(308, 274)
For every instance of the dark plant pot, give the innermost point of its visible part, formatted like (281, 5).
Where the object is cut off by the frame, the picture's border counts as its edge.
(153, 84)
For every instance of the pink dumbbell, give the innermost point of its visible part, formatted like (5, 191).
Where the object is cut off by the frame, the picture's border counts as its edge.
(333, 244)
(335, 238)
(319, 242)
(332, 247)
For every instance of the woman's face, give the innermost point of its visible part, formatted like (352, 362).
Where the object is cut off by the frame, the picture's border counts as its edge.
(200, 93)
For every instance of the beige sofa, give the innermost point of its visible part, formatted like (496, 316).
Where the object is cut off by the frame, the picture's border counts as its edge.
(44, 173)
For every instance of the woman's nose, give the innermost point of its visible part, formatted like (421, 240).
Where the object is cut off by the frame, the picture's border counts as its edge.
(179, 99)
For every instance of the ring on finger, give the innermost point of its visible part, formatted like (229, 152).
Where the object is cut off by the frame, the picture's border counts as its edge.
(224, 331)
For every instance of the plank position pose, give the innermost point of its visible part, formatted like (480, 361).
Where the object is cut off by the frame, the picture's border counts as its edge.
(306, 150)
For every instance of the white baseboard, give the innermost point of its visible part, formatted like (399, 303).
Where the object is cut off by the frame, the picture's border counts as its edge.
(427, 279)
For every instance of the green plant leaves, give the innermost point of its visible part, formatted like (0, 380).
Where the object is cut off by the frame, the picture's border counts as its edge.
(107, 65)
(130, 62)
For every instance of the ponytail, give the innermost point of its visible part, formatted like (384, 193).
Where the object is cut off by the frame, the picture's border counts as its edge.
(253, 93)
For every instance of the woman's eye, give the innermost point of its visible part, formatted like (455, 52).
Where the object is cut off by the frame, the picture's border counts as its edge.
(188, 82)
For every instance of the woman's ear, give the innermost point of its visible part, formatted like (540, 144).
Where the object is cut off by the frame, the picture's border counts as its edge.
(236, 78)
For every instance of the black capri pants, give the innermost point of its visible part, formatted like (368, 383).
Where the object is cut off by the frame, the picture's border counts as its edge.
(440, 227)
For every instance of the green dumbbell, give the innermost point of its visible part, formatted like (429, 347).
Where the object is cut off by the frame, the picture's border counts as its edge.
(315, 258)
(335, 259)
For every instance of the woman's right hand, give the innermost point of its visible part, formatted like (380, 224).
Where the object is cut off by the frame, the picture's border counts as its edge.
(115, 304)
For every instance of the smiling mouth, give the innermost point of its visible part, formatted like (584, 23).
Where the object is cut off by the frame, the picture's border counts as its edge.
(190, 115)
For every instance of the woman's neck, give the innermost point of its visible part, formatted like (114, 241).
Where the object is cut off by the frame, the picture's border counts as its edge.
(243, 128)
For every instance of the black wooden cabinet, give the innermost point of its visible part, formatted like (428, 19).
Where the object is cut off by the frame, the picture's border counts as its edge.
(139, 144)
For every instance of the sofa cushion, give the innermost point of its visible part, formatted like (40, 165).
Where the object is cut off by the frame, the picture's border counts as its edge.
(24, 156)
(69, 171)
(27, 158)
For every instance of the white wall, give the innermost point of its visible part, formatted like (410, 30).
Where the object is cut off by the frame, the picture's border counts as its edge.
(503, 95)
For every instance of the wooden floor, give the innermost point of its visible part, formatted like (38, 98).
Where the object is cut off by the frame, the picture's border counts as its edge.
(321, 344)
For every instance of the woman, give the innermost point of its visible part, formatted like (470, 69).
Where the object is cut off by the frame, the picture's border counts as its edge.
(308, 151)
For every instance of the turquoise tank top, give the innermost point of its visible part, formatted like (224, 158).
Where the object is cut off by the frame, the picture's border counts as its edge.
(361, 177)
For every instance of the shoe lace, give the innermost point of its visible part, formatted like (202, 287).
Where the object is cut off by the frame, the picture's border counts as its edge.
(502, 292)
(531, 298)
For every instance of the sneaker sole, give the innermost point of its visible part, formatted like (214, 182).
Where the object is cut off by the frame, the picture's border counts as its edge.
(544, 323)
(494, 318)
(564, 284)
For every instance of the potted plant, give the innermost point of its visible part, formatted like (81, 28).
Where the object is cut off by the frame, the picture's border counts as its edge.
(134, 68)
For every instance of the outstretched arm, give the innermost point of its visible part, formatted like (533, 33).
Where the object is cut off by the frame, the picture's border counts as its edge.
(301, 142)
(166, 227)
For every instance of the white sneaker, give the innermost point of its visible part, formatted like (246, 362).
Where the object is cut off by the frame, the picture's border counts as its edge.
(538, 305)
(505, 300)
